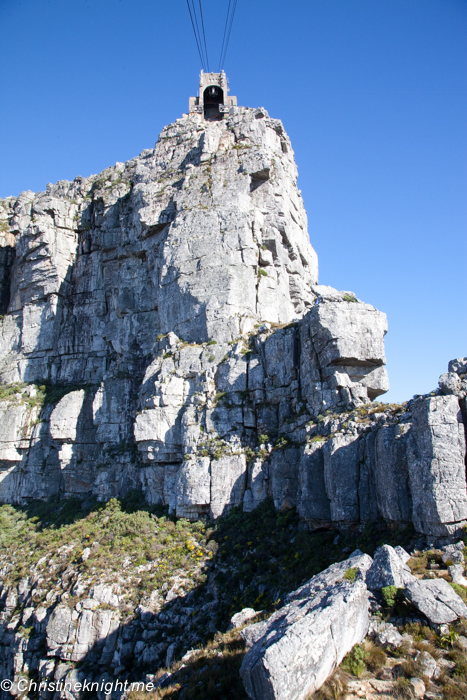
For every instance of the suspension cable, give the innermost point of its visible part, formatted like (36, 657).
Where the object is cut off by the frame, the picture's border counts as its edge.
(223, 56)
(223, 38)
(195, 15)
(194, 32)
(204, 35)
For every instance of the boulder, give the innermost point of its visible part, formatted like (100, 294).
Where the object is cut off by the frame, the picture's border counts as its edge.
(456, 572)
(402, 554)
(428, 665)
(301, 644)
(385, 633)
(418, 687)
(332, 575)
(453, 556)
(239, 619)
(437, 600)
(454, 553)
(387, 569)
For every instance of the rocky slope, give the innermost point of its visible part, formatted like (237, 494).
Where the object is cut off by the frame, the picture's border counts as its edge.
(163, 329)
(100, 593)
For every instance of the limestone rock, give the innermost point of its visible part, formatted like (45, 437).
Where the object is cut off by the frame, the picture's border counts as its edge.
(456, 572)
(385, 633)
(436, 600)
(402, 554)
(418, 687)
(437, 465)
(161, 317)
(239, 619)
(387, 569)
(454, 553)
(428, 665)
(304, 641)
(331, 576)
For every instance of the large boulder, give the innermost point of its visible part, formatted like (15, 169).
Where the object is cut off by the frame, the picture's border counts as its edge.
(388, 569)
(301, 644)
(437, 600)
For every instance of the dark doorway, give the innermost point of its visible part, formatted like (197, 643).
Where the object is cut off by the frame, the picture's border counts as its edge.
(213, 96)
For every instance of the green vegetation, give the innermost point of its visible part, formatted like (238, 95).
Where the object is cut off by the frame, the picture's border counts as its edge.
(214, 447)
(354, 662)
(460, 590)
(250, 559)
(389, 595)
(119, 529)
(281, 442)
(350, 574)
(19, 394)
(219, 396)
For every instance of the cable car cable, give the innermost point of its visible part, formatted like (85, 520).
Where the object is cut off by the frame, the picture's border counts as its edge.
(223, 38)
(204, 35)
(195, 15)
(196, 36)
(229, 32)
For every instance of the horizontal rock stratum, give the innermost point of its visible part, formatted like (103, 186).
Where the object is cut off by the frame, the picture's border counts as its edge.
(163, 329)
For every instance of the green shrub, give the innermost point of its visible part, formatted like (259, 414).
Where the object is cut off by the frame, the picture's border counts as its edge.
(389, 594)
(350, 574)
(354, 662)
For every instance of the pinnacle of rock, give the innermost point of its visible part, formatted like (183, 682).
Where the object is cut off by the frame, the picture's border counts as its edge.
(163, 329)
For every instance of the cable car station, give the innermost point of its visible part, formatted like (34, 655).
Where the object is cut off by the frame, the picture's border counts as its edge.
(214, 100)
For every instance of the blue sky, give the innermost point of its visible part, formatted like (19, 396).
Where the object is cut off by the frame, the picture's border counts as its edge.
(373, 94)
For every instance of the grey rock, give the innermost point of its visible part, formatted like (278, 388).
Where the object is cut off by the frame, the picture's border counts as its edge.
(388, 569)
(418, 687)
(437, 465)
(60, 629)
(456, 572)
(174, 301)
(304, 641)
(240, 618)
(331, 576)
(428, 665)
(170, 655)
(402, 554)
(385, 633)
(450, 383)
(254, 633)
(436, 600)
(459, 365)
(453, 555)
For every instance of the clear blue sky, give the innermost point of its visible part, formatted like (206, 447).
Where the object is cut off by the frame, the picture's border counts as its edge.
(373, 94)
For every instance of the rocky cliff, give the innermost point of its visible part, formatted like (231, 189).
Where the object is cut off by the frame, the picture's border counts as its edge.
(163, 329)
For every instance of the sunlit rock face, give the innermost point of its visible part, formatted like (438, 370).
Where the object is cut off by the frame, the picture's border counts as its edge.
(163, 329)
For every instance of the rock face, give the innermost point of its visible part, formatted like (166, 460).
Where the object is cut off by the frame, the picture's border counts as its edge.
(163, 329)
(300, 645)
